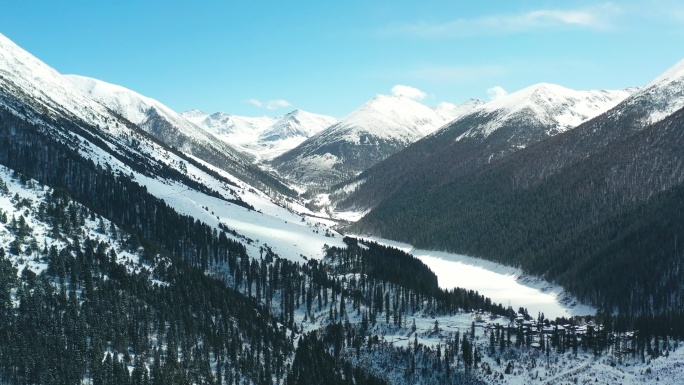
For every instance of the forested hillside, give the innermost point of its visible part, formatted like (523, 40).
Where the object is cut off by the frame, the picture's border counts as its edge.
(488, 133)
(185, 304)
(606, 226)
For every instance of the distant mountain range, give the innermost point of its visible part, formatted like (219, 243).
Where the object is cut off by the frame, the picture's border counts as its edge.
(592, 207)
(262, 137)
(169, 127)
(486, 133)
(376, 130)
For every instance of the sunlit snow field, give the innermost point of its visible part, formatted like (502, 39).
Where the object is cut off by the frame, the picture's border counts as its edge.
(503, 284)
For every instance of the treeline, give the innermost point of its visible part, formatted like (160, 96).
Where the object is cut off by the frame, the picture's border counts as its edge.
(383, 264)
(339, 344)
(317, 362)
(91, 317)
(179, 311)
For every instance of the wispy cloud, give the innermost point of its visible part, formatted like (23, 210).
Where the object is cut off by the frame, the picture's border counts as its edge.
(269, 105)
(255, 102)
(408, 92)
(496, 92)
(598, 17)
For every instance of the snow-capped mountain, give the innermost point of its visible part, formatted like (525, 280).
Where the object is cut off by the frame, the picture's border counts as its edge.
(297, 124)
(485, 134)
(646, 106)
(662, 97)
(24, 75)
(452, 111)
(41, 108)
(390, 117)
(379, 128)
(229, 126)
(138, 109)
(263, 137)
(582, 207)
(655, 101)
(169, 127)
(554, 107)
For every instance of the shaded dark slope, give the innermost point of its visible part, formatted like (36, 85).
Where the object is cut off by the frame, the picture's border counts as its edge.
(476, 139)
(379, 128)
(441, 158)
(309, 161)
(576, 216)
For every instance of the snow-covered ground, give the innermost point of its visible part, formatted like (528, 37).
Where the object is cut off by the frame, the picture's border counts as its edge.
(503, 284)
(22, 202)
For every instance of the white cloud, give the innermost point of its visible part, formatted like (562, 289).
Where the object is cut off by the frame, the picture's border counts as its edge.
(408, 92)
(255, 102)
(496, 92)
(446, 106)
(593, 17)
(271, 104)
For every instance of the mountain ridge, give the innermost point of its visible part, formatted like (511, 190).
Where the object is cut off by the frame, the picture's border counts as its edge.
(491, 131)
(380, 127)
(579, 208)
(262, 137)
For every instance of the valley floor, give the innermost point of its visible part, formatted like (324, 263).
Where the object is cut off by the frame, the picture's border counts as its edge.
(503, 284)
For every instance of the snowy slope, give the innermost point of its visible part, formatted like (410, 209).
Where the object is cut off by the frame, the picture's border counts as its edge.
(30, 89)
(452, 111)
(659, 98)
(133, 106)
(263, 137)
(155, 118)
(23, 73)
(553, 106)
(377, 129)
(388, 117)
(21, 201)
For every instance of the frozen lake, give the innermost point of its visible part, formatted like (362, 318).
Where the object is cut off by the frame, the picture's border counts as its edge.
(503, 284)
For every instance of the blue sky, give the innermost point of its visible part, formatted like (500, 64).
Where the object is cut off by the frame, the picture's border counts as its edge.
(269, 57)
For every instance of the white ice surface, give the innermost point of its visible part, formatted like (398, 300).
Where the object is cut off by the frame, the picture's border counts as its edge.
(503, 284)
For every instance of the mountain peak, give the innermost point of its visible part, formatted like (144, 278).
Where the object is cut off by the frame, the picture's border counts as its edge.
(194, 112)
(556, 107)
(298, 124)
(393, 117)
(295, 112)
(674, 73)
(41, 84)
(452, 111)
(659, 98)
(262, 137)
(377, 129)
(128, 103)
